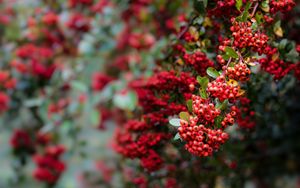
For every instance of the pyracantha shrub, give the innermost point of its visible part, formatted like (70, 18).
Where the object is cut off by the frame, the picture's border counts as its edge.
(186, 90)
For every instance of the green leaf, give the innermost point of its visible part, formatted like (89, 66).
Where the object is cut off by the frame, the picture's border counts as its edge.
(238, 4)
(175, 122)
(203, 81)
(177, 136)
(95, 117)
(126, 101)
(277, 29)
(265, 5)
(212, 72)
(225, 57)
(222, 105)
(259, 17)
(245, 13)
(79, 86)
(189, 105)
(200, 5)
(231, 52)
(218, 121)
(184, 115)
(254, 25)
(33, 102)
(203, 93)
(282, 44)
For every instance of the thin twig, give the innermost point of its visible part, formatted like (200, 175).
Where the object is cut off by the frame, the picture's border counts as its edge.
(254, 9)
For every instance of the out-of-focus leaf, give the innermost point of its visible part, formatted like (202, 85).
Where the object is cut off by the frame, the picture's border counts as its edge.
(177, 136)
(189, 105)
(127, 101)
(238, 4)
(184, 115)
(77, 85)
(175, 122)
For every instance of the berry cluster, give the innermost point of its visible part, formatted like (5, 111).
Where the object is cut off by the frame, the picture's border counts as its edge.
(274, 65)
(205, 111)
(244, 36)
(58, 107)
(21, 141)
(4, 102)
(229, 117)
(6, 80)
(100, 80)
(79, 22)
(199, 61)
(223, 90)
(201, 141)
(245, 115)
(239, 72)
(49, 166)
(281, 5)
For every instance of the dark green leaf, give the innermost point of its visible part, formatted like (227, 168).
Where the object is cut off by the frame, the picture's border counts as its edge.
(218, 121)
(222, 105)
(189, 105)
(231, 52)
(245, 13)
(259, 17)
(200, 5)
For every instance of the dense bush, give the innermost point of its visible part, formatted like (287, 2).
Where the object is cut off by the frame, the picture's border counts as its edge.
(149, 93)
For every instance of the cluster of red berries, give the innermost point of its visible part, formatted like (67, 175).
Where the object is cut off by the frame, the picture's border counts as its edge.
(49, 166)
(79, 22)
(245, 116)
(58, 107)
(167, 80)
(100, 80)
(274, 65)
(4, 102)
(244, 37)
(222, 90)
(6, 80)
(200, 141)
(134, 145)
(21, 140)
(141, 40)
(199, 61)
(223, 8)
(74, 3)
(188, 37)
(152, 161)
(230, 117)
(281, 5)
(239, 72)
(206, 112)
(32, 60)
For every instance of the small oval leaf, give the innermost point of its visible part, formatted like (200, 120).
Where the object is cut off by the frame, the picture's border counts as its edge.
(231, 52)
(184, 115)
(175, 122)
(212, 72)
